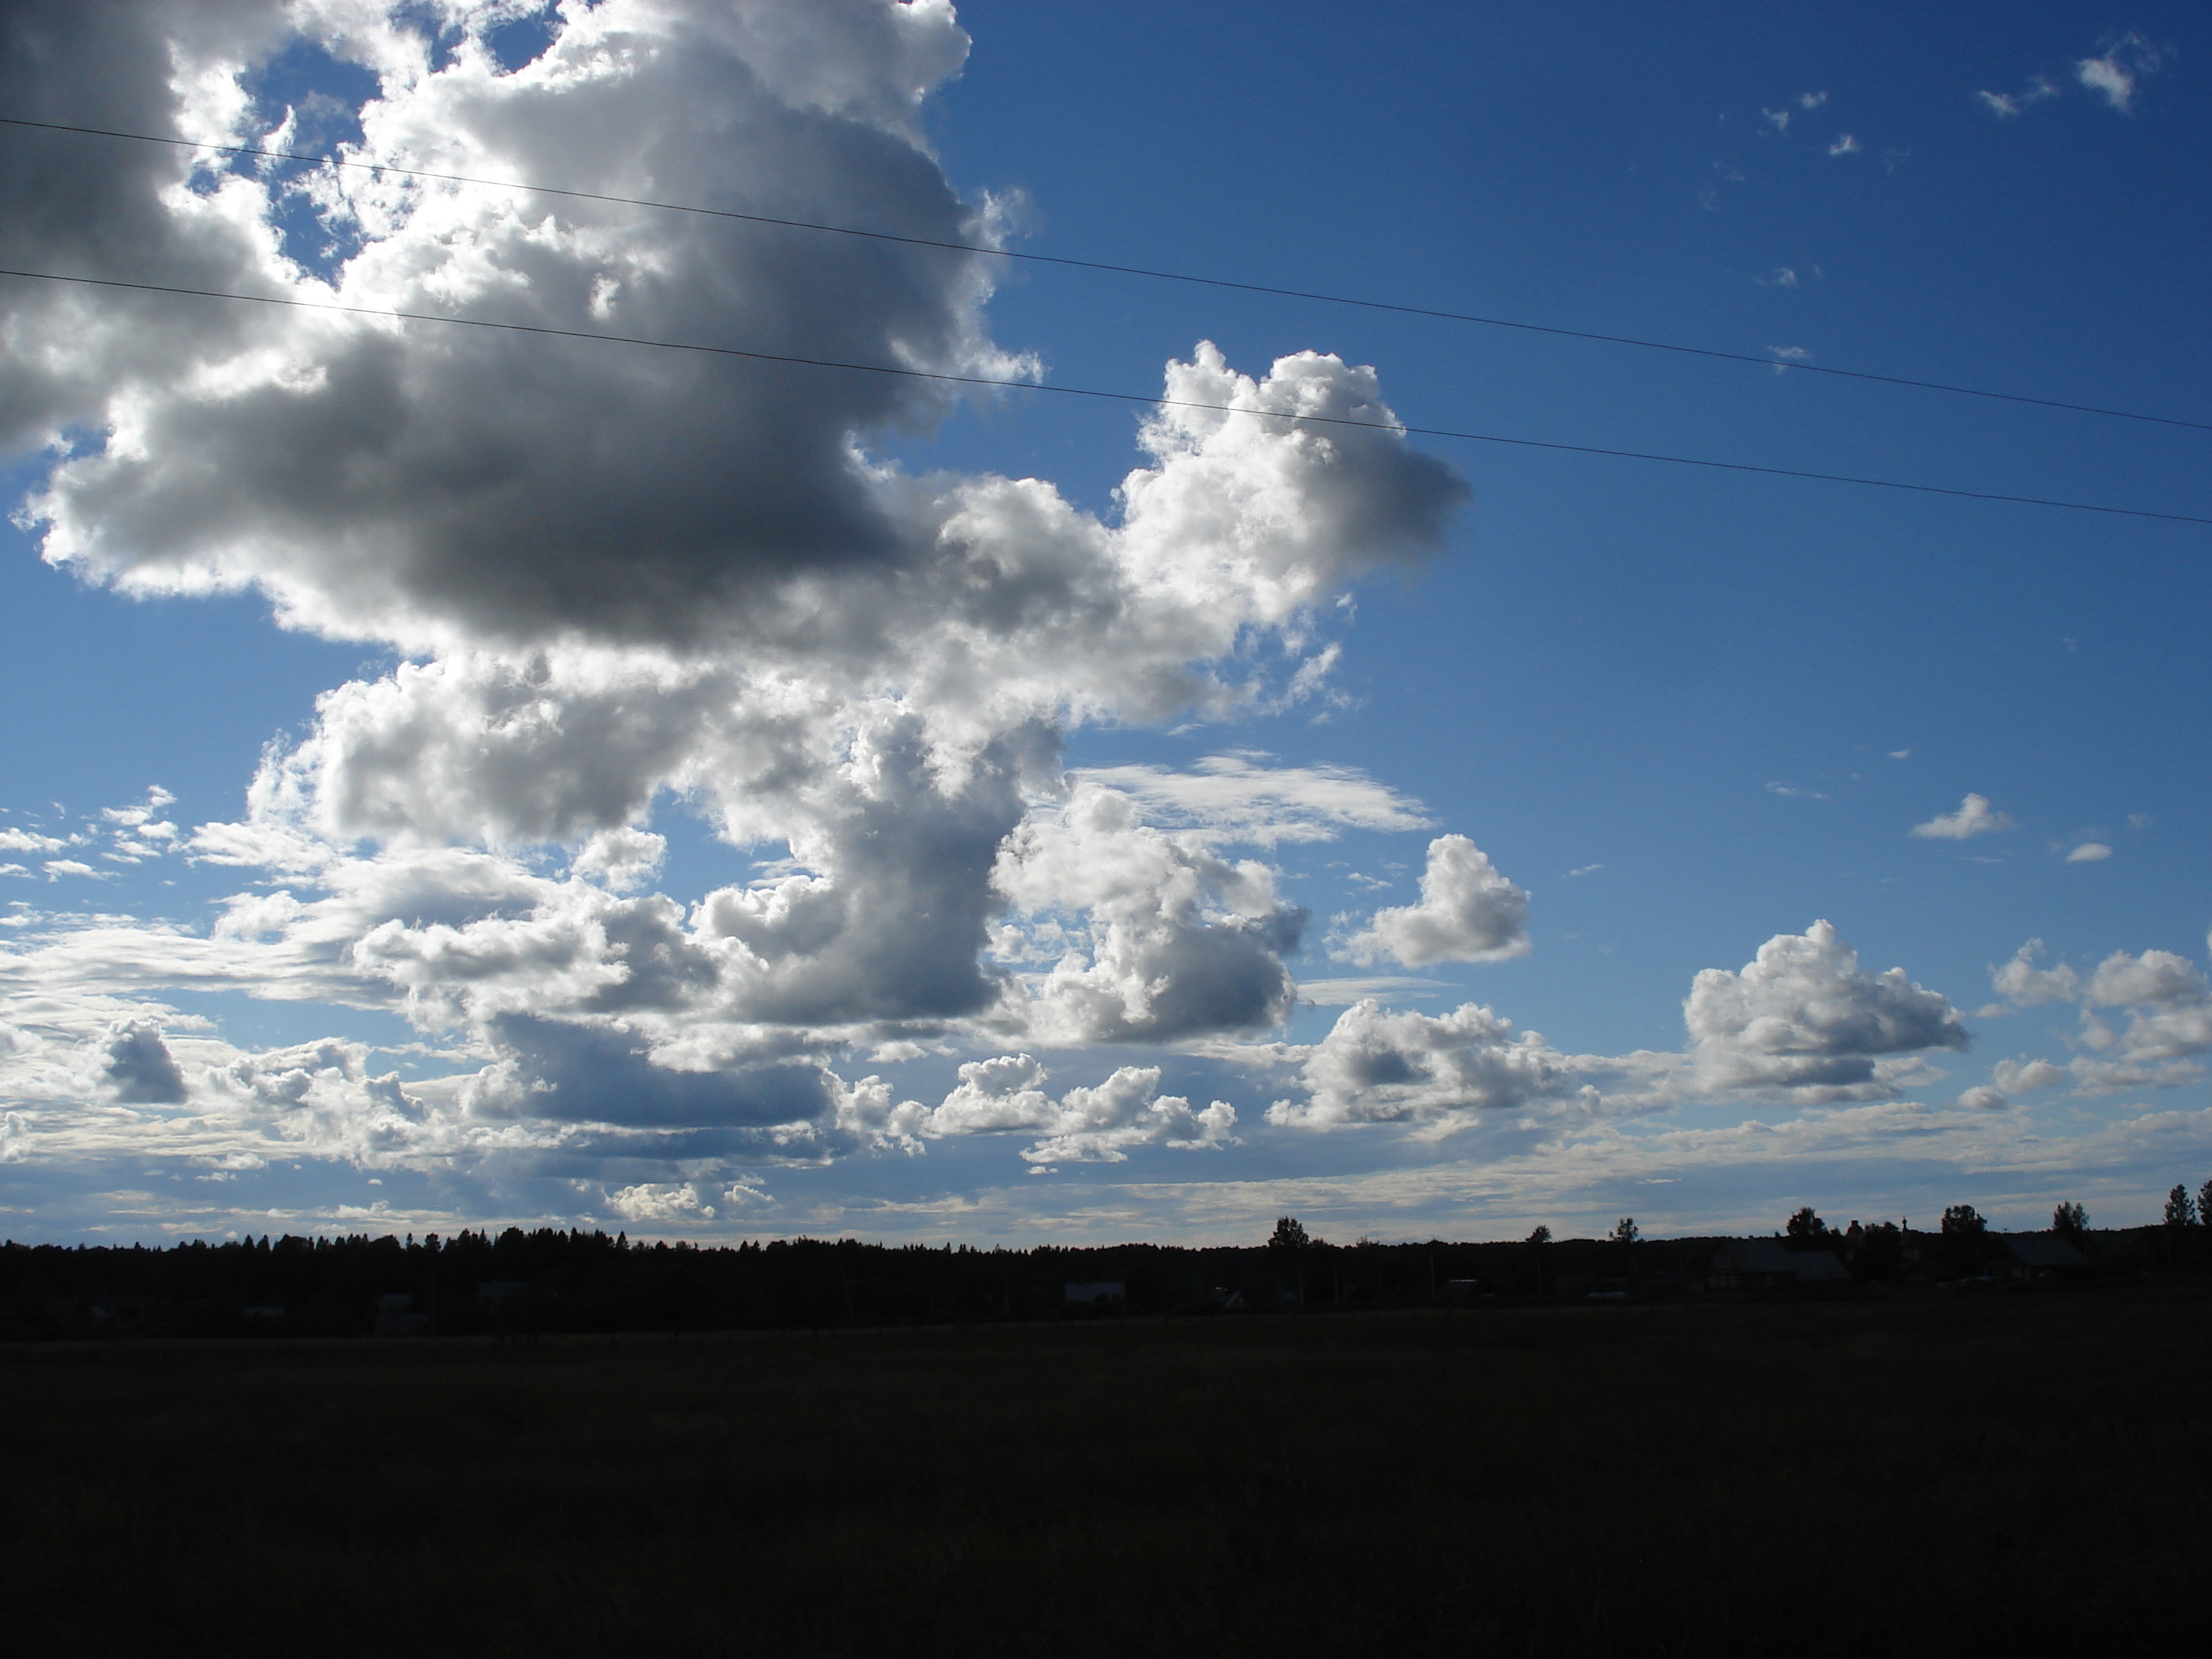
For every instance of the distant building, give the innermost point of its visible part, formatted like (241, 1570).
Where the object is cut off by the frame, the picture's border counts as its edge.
(394, 1319)
(2036, 1255)
(1764, 1264)
(1096, 1291)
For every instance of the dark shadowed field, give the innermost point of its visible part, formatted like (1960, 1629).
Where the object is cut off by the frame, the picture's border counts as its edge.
(2023, 1472)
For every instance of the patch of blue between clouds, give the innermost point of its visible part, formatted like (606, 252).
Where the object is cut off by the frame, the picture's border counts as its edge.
(324, 95)
(523, 40)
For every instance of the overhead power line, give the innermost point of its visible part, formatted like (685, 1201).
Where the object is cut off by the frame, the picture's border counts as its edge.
(1126, 270)
(1089, 391)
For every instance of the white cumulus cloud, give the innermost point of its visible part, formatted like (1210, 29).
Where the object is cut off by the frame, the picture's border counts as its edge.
(1975, 817)
(626, 582)
(1469, 912)
(1087, 1125)
(2024, 985)
(1440, 1072)
(1803, 1018)
(2169, 1024)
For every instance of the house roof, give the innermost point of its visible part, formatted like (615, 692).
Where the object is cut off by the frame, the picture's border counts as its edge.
(1770, 1256)
(2042, 1250)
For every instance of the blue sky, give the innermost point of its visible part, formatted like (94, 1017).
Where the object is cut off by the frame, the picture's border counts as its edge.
(1068, 783)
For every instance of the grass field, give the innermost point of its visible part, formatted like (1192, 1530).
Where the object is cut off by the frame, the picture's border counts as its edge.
(2027, 1472)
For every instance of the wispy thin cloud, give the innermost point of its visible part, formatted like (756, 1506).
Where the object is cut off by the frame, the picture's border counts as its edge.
(2123, 62)
(2007, 105)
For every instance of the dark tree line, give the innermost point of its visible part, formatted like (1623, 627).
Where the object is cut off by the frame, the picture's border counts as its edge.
(550, 1280)
(522, 1283)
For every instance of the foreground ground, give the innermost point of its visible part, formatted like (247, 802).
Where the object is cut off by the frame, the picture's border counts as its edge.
(2026, 1470)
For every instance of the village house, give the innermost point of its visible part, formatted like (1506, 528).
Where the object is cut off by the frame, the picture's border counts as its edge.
(1765, 1264)
(2035, 1255)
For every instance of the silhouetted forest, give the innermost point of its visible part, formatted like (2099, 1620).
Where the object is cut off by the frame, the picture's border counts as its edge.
(522, 1284)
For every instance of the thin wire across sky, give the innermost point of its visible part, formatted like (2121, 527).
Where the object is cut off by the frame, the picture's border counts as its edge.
(1153, 399)
(1150, 273)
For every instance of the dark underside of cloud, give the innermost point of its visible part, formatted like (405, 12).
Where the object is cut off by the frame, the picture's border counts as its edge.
(576, 1074)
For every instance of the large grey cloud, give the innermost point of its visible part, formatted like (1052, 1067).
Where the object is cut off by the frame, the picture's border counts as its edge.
(629, 581)
(97, 207)
(139, 1067)
(390, 479)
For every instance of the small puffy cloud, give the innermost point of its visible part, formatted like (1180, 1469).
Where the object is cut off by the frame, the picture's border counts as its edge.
(141, 816)
(1811, 100)
(1085, 1124)
(662, 1201)
(994, 1095)
(1845, 144)
(1469, 912)
(139, 1068)
(1983, 1098)
(57, 868)
(1147, 935)
(1975, 817)
(1096, 1125)
(621, 859)
(1794, 794)
(2154, 979)
(1803, 1019)
(1441, 1073)
(2169, 1023)
(2114, 73)
(2024, 985)
(2022, 1077)
(258, 915)
(13, 840)
(320, 1099)
(2088, 853)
